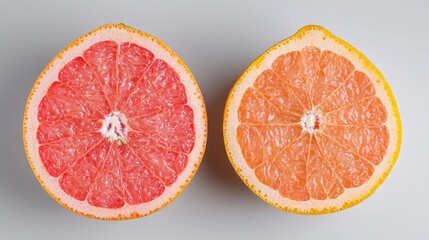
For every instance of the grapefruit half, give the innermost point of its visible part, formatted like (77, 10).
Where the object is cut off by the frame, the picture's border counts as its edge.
(312, 126)
(115, 126)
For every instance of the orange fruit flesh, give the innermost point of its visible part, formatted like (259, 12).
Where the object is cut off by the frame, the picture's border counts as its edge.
(140, 153)
(312, 126)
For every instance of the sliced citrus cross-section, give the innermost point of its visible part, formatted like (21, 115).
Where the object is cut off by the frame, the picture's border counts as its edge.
(312, 126)
(115, 126)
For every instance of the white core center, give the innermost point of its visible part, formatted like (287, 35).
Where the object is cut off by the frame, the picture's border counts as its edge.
(115, 128)
(310, 122)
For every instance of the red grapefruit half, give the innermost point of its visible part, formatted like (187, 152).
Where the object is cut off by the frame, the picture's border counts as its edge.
(115, 126)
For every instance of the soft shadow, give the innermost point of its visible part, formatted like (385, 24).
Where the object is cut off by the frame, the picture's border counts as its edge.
(18, 184)
(216, 160)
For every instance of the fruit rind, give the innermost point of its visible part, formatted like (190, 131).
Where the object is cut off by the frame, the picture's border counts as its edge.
(193, 94)
(260, 64)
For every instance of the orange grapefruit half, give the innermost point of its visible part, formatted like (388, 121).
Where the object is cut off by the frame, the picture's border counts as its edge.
(312, 126)
(115, 126)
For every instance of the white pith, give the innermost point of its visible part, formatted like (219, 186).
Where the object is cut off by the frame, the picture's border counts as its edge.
(120, 34)
(115, 128)
(319, 38)
(310, 121)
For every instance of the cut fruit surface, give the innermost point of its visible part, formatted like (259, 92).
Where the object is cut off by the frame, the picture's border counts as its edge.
(115, 127)
(312, 126)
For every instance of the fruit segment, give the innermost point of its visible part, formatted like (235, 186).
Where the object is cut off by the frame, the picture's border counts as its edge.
(80, 76)
(278, 93)
(310, 57)
(169, 96)
(334, 70)
(107, 190)
(58, 156)
(354, 89)
(139, 184)
(157, 76)
(289, 68)
(165, 164)
(171, 129)
(286, 171)
(102, 57)
(133, 61)
(80, 177)
(256, 109)
(54, 131)
(62, 102)
(322, 179)
(292, 162)
(350, 168)
(370, 111)
(370, 142)
(257, 141)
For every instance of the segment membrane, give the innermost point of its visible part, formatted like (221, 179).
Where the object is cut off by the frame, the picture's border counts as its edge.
(157, 76)
(61, 102)
(172, 129)
(278, 93)
(79, 75)
(133, 62)
(370, 111)
(354, 89)
(107, 191)
(167, 165)
(256, 109)
(286, 172)
(370, 142)
(79, 178)
(139, 183)
(351, 169)
(289, 68)
(322, 180)
(66, 128)
(334, 69)
(261, 142)
(58, 156)
(102, 56)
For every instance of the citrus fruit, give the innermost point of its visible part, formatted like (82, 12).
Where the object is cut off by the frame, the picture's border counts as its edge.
(312, 126)
(115, 126)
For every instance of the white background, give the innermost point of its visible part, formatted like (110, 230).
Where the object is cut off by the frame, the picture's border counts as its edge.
(218, 39)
